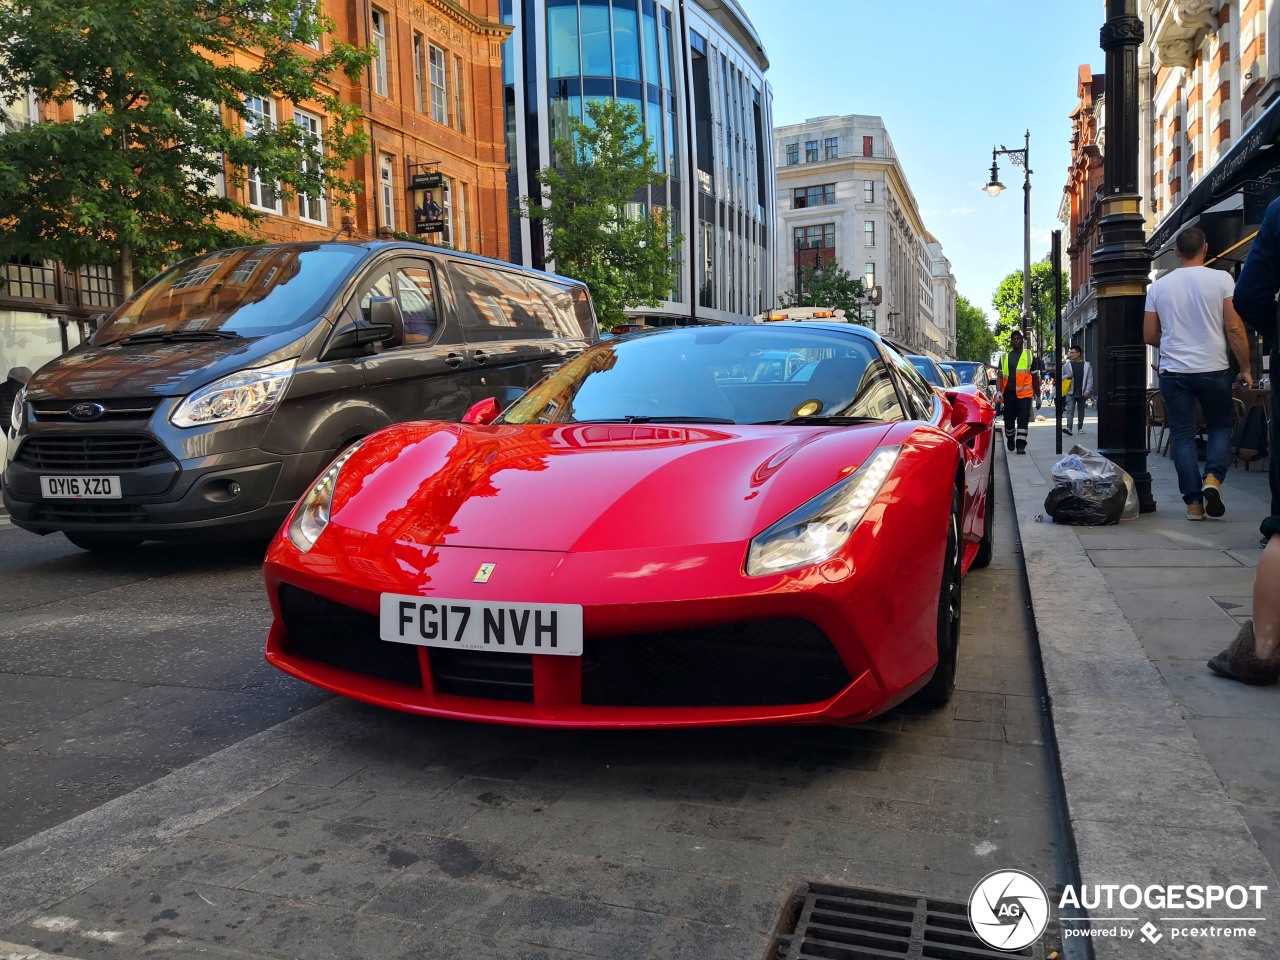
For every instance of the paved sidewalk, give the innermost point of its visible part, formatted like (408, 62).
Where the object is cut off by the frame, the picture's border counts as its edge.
(1171, 774)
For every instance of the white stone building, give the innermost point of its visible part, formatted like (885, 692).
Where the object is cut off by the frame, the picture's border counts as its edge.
(844, 198)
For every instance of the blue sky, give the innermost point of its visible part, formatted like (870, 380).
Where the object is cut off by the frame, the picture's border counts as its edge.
(951, 78)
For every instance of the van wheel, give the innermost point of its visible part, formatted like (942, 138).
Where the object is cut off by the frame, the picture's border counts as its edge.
(96, 544)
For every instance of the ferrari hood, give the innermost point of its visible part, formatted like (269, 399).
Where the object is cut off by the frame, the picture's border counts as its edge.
(587, 487)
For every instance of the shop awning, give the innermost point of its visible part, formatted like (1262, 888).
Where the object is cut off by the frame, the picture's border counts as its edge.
(1251, 158)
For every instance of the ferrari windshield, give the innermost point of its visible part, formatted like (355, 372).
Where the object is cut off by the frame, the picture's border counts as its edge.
(736, 374)
(245, 292)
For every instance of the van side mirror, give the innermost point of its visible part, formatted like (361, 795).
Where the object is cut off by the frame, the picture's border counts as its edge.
(484, 412)
(385, 325)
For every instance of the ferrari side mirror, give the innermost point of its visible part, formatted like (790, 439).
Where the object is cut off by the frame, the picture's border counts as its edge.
(485, 411)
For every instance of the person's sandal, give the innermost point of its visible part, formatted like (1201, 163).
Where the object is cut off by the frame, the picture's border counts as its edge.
(1240, 661)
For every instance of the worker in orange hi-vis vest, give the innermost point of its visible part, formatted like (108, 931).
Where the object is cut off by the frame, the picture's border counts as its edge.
(1019, 384)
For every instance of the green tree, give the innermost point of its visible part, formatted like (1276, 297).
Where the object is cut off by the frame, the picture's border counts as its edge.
(1008, 304)
(597, 229)
(162, 86)
(829, 286)
(975, 340)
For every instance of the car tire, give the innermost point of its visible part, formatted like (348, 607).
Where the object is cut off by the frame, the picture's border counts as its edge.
(96, 544)
(987, 545)
(943, 682)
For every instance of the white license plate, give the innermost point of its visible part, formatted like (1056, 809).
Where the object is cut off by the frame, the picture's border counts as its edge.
(80, 488)
(549, 628)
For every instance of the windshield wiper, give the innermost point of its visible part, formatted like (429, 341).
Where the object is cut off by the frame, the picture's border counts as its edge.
(172, 336)
(825, 421)
(634, 418)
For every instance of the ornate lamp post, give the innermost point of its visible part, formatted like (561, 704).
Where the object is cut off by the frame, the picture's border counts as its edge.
(1019, 158)
(1122, 263)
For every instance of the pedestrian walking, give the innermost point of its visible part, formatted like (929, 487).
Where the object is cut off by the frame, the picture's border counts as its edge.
(1077, 386)
(1019, 383)
(1190, 317)
(1255, 299)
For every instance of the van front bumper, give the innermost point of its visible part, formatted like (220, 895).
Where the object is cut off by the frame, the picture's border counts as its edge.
(238, 495)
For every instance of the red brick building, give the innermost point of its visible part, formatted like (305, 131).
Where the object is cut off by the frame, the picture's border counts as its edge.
(432, 106)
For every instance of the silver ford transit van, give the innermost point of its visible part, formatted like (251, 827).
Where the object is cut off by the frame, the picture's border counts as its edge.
(205, 404)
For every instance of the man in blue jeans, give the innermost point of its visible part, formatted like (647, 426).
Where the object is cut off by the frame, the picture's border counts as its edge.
(1191, 318)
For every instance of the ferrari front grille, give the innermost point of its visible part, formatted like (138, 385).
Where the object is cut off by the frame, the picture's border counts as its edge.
(342, 637)
(755, 664)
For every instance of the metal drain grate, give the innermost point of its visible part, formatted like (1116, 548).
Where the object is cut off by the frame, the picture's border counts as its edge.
(823, 921)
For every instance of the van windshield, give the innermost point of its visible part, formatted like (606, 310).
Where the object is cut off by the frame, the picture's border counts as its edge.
(245, 292)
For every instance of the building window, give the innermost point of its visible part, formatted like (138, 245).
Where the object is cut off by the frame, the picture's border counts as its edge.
(311, 207)
(869, 276)
(866, 146)
(820, 236)
(459, 96)
(793, 154)
(439, 95)
(261, 115)
(831, 148)
(379, 52)
(387, 191)
(810, 151)
(868, 191)
(819, 196)
(869, 232)
(419, 73)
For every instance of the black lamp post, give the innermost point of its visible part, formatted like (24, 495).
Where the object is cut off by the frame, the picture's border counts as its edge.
(1019, 158)
(1121, 262)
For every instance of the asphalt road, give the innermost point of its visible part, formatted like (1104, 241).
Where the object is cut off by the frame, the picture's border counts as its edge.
(118, 669)
(352, 831)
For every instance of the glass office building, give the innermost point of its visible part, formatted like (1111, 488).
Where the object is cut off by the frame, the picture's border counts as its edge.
(695, 74)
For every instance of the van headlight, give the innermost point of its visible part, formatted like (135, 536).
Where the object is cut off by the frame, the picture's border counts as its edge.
(814, 531)
(311, 515)
(17, 411)
(244, 394)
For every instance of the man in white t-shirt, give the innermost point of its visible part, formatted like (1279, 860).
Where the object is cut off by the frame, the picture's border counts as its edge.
(1190, 317)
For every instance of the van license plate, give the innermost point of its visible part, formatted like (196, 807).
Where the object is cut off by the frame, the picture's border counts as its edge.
(548, 628)
(80, 488)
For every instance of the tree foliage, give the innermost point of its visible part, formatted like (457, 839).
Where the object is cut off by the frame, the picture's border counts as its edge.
(1008, 304)
(589, 203)
(829, 286)
(161, 87)
(975, 340)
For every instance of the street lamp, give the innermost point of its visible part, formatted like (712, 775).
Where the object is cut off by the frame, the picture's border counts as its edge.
(1019, 158)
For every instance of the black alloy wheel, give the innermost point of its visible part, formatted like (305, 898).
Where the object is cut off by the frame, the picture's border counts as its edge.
(98, 544)
(943, 682)
(987, 545)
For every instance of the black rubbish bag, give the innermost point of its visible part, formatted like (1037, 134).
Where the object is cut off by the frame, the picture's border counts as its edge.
(1093, 503)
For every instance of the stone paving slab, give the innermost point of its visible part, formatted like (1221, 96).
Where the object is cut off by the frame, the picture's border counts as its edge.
(1146, 762)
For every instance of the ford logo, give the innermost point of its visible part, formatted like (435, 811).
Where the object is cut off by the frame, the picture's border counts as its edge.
(87, 411)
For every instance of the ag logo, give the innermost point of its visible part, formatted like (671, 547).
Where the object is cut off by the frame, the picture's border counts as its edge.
(1008, 909)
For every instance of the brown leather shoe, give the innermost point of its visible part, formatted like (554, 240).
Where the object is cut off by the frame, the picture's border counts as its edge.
(1240, 661)
(1212, 491)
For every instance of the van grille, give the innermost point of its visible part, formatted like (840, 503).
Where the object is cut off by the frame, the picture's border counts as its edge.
(72, 452)
(59, 411)
(84, 512)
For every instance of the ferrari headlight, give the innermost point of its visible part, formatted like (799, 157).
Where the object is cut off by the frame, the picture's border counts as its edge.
(16, 413)
(816, 530)
(312, 513)
(244, 394)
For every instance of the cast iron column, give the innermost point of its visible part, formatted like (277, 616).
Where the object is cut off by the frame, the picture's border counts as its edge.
(1121, 263)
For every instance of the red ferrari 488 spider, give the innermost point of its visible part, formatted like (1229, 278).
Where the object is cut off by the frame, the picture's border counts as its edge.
(675, 528)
